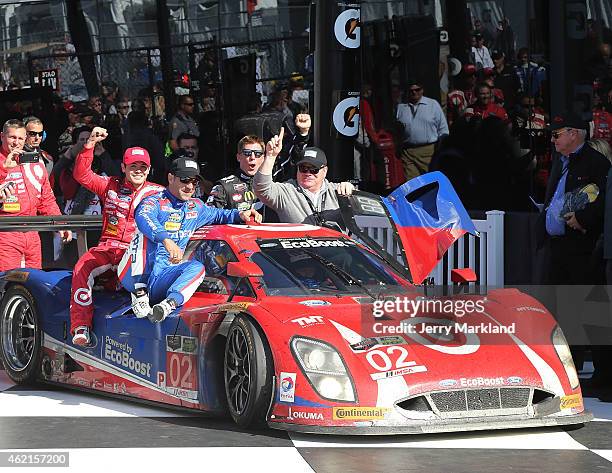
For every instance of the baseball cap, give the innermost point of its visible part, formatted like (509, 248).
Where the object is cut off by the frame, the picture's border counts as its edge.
(567, 120)
(183, 167)
(135, 154)
(313, 156)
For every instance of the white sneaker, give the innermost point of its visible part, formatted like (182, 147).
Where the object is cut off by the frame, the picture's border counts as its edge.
(140, 305)
(162, 310)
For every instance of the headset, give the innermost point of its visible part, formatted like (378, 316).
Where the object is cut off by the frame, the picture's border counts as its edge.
(35, 119)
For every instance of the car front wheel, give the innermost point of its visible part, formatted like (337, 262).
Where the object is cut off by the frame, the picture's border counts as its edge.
(248, 373)
(20, 335)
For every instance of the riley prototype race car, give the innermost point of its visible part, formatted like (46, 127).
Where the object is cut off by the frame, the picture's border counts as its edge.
(302, 328)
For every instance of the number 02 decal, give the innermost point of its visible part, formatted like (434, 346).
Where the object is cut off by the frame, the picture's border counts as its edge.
(181, 368)
(381, 361)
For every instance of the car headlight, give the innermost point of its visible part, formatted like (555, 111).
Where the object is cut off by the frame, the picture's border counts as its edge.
(324, 368)
(564, 354)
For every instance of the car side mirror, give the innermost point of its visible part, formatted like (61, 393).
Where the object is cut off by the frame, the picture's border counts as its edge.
(463, 275)
(243, 269)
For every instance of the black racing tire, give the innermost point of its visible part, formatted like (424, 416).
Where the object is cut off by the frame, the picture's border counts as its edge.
(247, 372)
(20, 336)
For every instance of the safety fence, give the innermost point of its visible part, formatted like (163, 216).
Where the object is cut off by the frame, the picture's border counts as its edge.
(201, 63)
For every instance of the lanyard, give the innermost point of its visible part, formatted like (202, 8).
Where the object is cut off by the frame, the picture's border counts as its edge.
(315, 213)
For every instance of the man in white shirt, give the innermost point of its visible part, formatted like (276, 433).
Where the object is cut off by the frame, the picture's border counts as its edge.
(424, 124)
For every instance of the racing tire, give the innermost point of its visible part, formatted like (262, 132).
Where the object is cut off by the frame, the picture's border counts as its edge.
(20, 336)
(247, 372)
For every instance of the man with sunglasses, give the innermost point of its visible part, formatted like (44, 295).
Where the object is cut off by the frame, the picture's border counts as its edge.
(236, 191)
(182, 121)
(31, 195)
(571, 236)
(166, 221)
(310, 198)
(119, 197)
(424, 124)
(35, 135)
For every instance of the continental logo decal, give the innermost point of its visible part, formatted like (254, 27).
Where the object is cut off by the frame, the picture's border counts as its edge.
(234, 306)
(359, 413)
(346, 116)
(347, 28)
(573, 401)
(17, 276)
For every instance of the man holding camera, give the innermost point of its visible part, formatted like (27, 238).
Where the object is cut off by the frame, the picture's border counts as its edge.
(35, 135)
(31, 195)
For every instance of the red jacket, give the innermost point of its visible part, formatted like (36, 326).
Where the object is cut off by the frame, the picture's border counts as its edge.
(492, 109)
(32, 192)
(119, 198)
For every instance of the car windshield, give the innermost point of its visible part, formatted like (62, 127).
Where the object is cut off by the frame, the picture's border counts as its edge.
(302, 266)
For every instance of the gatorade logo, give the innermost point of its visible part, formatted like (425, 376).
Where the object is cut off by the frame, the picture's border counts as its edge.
(347, 28)
(346, 116)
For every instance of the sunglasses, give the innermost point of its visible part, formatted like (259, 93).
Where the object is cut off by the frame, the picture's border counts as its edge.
(35, 133)
(248, 152)
(558, 133)
(308, 170)
(123, 107)
(189, 104)
(189, 180)
(415, 90)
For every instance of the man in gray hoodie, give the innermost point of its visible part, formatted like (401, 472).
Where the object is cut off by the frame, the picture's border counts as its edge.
(310, 198)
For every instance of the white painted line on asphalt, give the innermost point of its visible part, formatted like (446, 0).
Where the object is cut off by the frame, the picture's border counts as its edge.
(72, 404)
(607, 454)
(549, 439)
(601, 410)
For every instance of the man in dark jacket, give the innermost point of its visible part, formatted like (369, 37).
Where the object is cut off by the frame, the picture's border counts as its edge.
(571, 233)
(572, 236)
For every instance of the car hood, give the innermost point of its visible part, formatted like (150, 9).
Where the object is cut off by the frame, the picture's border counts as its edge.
(404, 361)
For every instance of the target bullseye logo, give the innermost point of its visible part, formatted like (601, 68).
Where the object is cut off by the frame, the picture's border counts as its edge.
(346, 116)
(82, 296)
(347, 28)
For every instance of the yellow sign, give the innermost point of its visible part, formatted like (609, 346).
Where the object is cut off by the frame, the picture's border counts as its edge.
(567, 402)
(359, 413)
(172, 226)
(234, 306)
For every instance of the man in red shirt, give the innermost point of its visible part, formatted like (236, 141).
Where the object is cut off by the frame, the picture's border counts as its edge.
(485, 107)
(32, 195)
(119, 197)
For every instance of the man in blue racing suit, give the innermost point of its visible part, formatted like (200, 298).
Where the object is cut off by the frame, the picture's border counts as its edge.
(152, 267)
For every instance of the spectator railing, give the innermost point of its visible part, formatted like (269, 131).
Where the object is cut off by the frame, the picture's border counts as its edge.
(484, 253)
(54, 224)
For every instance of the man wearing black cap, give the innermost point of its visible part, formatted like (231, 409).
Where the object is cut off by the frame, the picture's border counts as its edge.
(310, 198)
(571, 234)
(165, 223)
(424, 124)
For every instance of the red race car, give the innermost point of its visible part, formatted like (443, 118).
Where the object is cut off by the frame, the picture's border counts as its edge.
(302, 328)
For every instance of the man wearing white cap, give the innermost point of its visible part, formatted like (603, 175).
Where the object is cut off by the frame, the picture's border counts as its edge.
(119, 197)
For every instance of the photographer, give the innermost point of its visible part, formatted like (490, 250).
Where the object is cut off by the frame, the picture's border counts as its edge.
(35, 135)
(32, 195)
(308, 199)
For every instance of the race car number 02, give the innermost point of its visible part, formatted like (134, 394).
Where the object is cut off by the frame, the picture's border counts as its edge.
(181, 373)
(387, 364)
